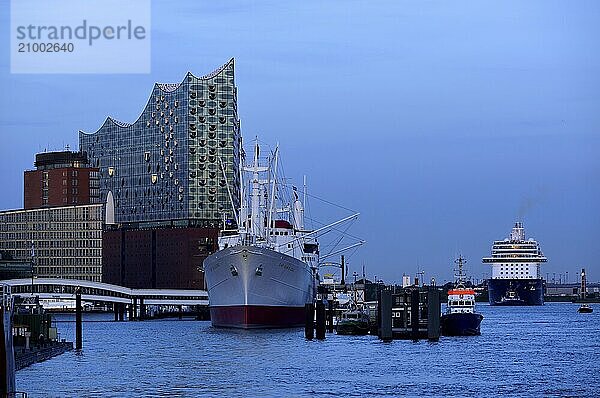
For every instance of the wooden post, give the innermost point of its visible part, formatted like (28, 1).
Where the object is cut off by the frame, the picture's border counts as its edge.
(330, 316)
(130, 314)
(414, 314)
(142, 309)
(121, 312)
(433, 313)
(180, 310)
(78, 336)
(116, 311)
(320, 320)
(385, 311)
(309, 321)
(4, 366)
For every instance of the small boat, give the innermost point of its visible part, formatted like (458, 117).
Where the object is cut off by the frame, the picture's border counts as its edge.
(585, 309)
(460, 318)
(353, 322)
(511, 298)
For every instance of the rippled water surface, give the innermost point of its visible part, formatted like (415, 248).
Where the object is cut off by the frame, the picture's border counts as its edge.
(529, 351)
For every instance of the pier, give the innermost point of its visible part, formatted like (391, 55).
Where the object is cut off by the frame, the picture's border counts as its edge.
(409, 313)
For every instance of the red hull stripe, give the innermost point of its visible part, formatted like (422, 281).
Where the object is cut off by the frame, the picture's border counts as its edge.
(257, 316)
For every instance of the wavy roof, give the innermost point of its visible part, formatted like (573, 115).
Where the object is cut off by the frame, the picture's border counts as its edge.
(165, 87)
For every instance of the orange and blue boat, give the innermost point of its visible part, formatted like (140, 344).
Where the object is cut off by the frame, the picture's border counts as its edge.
(460, 318)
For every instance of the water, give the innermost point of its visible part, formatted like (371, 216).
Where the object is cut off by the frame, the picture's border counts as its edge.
(528, 351)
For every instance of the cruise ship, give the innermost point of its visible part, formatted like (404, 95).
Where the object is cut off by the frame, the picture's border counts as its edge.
(265, 270)
(516, 277)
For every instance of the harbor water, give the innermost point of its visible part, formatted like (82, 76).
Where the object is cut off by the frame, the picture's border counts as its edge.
(523, 351)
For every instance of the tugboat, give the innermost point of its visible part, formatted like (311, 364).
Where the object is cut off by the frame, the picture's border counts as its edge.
(353, 322)
(511, 297)
(460, 318)
(584, 308)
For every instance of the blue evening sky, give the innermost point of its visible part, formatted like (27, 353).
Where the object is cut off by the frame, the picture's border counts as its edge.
(441, 122)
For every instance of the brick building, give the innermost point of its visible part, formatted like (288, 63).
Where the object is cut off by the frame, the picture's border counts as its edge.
(60, 179)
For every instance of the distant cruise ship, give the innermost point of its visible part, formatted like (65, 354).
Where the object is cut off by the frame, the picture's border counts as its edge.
(516, 278)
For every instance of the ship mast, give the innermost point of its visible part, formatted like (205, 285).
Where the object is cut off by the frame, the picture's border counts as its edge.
(257, 218)
(273, 186)
(460, 276)
(242, 225)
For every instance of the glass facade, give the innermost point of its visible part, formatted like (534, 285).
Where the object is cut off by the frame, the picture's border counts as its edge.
(180, 159)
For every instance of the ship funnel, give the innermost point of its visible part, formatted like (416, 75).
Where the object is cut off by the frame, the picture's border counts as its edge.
(518, 232)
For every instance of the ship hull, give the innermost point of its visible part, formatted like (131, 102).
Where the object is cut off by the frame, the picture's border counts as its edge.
(461, 324)
(252, 288)
(528, 292)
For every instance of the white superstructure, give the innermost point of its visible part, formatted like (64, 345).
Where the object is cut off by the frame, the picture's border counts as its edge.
(516, 257)
(262, 224)
(461, 300)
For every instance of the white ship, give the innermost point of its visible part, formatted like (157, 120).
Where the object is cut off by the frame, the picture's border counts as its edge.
(265, 270)
(516, 277)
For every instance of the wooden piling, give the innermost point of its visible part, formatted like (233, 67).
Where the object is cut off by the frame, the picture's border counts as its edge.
(330, 316)
(414, 314)
(180, 311)
(142, 309)
(433, 313)
(385, 311)
(78, 329)
(121, 307)
(5, 372)
(116, 311)
(320, 332)
(309, 321)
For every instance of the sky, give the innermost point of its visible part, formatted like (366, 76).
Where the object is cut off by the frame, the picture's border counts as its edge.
(441, 122)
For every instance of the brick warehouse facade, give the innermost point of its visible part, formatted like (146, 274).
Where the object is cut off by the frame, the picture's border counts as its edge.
(158, 257)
